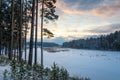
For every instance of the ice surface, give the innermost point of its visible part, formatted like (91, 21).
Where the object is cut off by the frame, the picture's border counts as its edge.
(97, 65)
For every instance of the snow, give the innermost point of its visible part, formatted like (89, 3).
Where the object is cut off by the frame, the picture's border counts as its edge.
(2, 69)
(97, 65)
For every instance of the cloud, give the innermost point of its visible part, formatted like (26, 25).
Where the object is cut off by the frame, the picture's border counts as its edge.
(75, 34)
(82, 4)
(108, 11)
(71, 34)
(64, 8)
(103, 8)
(104, 29)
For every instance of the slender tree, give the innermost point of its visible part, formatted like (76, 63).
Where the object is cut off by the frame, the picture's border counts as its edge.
(0, 27)
(26, 27)
(20, 30)
(42, 15)
(12, 27)
(47, 13)
(31, 34)
(36, 32)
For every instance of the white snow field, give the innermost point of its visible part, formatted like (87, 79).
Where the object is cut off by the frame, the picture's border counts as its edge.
(2, 69)
(97, 65)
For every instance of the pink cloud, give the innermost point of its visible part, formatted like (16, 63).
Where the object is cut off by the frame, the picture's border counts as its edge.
(65, 9)
(108, 11)
(103, 11)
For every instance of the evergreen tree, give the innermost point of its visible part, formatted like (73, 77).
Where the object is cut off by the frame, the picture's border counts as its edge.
(32, 34)
(12, 27)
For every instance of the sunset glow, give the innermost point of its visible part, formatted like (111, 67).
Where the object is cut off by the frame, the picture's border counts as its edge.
(84, 18)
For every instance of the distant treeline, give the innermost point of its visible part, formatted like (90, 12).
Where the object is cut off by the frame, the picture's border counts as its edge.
(46, 44)
(104, 42)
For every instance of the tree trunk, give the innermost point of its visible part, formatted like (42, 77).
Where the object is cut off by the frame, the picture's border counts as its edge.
(31, 35)
(12, 27)
(0, 38)
(0, 27)
(25, 44)
(25, 28)
(17, 46)
(36, 32)
(42, 33)
(20, 31)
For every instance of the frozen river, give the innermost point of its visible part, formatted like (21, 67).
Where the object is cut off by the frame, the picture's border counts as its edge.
(97, 65)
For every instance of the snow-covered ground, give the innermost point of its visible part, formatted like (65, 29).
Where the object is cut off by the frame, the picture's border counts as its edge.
(2, 69)
(97, 65)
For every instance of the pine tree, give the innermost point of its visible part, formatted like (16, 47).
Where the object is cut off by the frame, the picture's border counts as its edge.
(12, 27)
(32, 34)
(36, 32)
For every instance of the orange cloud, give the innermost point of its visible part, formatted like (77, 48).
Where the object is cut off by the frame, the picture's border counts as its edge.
(71, 34)
(68, 11)
(108, 11)
(103, 11)
(65, 9)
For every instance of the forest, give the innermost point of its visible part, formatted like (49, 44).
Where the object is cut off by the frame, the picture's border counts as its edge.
(17, 17)
(104, 42)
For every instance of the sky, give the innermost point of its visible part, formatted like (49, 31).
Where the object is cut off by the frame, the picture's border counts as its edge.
(84, 18)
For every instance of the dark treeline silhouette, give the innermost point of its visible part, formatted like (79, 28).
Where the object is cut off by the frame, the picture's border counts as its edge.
(104, 42)
(49, 44)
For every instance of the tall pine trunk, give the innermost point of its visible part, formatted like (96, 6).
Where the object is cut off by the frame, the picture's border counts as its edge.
(20, 31)
(0, 38)
(36, 32)
(42, 33)
(0, 27)
(31, 35)
(25, 28)
(12, 27)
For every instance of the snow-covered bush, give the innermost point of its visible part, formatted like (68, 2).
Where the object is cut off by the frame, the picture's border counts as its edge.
(23, 71)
